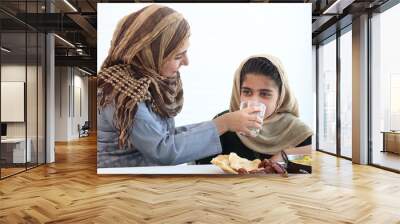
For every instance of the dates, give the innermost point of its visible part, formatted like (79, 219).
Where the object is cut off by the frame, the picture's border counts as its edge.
(268, 166)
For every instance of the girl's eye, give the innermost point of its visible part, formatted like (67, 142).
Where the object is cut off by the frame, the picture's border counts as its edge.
(246, 92)
(265, 94)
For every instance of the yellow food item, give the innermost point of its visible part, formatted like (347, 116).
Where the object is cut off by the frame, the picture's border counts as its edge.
(306, 160)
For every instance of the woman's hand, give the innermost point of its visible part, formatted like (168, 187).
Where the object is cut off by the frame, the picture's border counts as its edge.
(276, 158)
(239, 121)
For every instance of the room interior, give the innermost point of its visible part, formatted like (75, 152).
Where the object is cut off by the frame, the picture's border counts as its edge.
(48, 92)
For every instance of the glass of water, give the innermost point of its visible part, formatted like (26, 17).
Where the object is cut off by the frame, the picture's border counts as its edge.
(253, 103)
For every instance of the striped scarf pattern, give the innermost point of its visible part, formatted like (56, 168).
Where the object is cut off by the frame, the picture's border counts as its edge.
(130, 74)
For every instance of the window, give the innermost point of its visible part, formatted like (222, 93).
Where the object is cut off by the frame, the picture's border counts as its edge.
(327, 97)
(346, 94)
(22, 68)
(385, 88)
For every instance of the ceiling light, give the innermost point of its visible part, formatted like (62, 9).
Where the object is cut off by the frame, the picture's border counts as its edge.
(65, 41)
(70, 5)
(84, 71)
(5, 50)
(338, 6)
(80, 51)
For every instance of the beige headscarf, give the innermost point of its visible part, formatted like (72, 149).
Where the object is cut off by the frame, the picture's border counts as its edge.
(283, 129)
(130, 74)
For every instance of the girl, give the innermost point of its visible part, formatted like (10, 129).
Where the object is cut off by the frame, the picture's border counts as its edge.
(263, 79)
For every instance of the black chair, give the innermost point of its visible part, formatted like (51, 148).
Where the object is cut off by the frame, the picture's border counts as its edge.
(292, 167)
(84, 130)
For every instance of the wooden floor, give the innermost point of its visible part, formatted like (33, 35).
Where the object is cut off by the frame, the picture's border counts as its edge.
(10, 171)
(70, 191)
(387, 159)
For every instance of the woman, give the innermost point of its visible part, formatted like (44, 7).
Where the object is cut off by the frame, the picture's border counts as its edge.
(140, 93)
(263, 79)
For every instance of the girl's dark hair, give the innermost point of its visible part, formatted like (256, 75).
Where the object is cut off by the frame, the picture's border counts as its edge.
(262, 66)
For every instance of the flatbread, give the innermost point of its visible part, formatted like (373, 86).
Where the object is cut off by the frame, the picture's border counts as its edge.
(237, 162)
(232, 163)
(222, 161)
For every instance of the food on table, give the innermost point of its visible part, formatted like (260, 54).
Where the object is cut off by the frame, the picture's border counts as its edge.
(305, 160)
(234, 164)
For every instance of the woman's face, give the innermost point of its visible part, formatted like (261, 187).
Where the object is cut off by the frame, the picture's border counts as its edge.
(260, 88)
(171, 66)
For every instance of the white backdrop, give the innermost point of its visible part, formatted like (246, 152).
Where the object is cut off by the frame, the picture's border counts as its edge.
(222, 35)
(12, 101)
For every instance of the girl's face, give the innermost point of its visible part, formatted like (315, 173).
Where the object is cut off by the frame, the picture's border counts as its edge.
(171, 66)
(260, 88)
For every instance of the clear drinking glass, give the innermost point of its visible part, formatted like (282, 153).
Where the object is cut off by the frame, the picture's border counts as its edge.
(260, 114)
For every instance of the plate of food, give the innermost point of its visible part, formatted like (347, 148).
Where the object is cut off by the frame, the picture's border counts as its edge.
(234, 164)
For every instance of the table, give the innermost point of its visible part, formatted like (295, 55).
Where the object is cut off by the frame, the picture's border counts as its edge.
(179, 169)
(13, 150)
(391, 141)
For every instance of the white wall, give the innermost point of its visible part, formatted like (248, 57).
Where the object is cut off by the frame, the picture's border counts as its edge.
(33, 126)
(314, 95)
(80, 83)
(12, 73)
(220, 42)
(12, 101)
(67, 80)
(61, 103)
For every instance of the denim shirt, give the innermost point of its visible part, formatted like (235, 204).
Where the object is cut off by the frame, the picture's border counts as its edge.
(156, 140)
